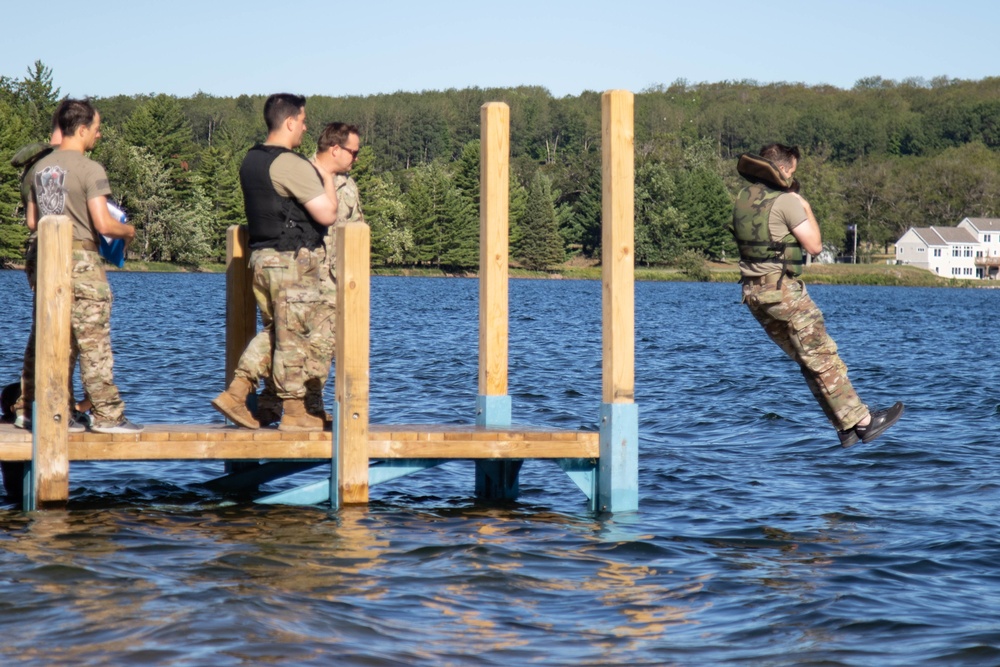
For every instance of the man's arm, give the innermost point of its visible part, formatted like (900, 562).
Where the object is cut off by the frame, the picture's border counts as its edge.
(32, 215)
(104, 223)
(323, 208)
(807, 232)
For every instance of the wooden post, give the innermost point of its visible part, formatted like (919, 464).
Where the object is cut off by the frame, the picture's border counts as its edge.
(241, 307)
(241, 313)
(494, 479)
(619, 465)
(352, 364)
(51, 413)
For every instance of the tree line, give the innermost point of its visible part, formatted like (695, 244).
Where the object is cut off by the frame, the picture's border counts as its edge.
(878, 158)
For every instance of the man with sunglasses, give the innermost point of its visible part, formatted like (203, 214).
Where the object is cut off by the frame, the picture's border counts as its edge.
(336, 151)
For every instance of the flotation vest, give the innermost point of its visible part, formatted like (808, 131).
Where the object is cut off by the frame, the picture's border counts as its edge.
(272, 220)
(752, 213)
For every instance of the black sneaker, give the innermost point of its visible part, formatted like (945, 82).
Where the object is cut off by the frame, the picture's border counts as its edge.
(79, 422)
(881, 420)
(848, 437)
(124, 426)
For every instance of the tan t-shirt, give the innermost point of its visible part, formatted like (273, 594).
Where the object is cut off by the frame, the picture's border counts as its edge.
(64, 181)
(296, 178)
(787, 213)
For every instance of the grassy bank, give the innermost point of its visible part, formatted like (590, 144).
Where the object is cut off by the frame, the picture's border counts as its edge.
(826, 274)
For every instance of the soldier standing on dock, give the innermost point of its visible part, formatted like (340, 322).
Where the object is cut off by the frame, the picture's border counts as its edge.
(773, 225)
(289, 203)
(336, 151)
(67, 182)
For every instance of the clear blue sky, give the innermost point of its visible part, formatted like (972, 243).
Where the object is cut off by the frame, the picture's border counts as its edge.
(226, 48)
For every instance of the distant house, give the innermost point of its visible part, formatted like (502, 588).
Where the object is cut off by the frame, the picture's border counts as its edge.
(987, 232)
(947, 251)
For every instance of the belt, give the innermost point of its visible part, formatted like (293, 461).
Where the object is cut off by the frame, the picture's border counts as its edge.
(766, 279)
(85, 245)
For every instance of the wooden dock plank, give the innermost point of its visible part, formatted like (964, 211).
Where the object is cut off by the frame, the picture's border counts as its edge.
(173, 442)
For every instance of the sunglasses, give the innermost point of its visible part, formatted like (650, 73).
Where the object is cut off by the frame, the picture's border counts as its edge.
(354, 154)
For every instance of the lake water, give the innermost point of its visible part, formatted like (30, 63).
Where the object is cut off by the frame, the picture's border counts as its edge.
(759, 541)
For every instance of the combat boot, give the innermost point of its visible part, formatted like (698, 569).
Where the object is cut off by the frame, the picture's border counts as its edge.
(296, 419)
(233, 403)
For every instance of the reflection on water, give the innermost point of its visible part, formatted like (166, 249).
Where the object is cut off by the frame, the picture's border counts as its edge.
(758, 540)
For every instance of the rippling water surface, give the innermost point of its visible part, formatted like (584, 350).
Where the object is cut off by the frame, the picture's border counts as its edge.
(759, 541)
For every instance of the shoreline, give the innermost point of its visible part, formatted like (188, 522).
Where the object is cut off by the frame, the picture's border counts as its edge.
(816, 274)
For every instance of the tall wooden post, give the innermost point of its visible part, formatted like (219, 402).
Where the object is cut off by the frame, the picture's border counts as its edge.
(241, 312)
(618, 486)
(49, 485)
(349, 475)
(494, 479)
(241, 307)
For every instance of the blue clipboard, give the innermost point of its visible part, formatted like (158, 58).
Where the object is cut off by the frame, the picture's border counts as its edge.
(113, 250)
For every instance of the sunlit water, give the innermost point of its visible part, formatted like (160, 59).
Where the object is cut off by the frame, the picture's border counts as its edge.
(759, 541)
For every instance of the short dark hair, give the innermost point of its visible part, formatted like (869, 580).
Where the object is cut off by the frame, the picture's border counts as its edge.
(71, 114)
(780, 154)
(335, 134)
(280, 107)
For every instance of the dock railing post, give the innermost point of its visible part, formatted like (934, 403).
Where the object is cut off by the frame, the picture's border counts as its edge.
(241, 310)
(241, 307)
(495, 479)
(49, 485)
(349, 473)
(618, 471)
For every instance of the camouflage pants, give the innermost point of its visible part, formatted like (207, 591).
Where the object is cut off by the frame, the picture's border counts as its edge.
(795, 324)
(90, 339)
(295, 346)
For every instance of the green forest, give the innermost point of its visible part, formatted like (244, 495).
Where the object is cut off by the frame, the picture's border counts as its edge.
(881, 157)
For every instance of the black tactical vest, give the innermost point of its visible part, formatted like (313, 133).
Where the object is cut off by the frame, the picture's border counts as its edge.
(274, 221)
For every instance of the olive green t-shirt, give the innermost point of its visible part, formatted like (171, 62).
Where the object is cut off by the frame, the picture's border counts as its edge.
(787, 213)
(63, 183)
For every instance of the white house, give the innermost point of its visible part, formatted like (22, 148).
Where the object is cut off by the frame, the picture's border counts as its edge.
(987, 232)
(950, 252)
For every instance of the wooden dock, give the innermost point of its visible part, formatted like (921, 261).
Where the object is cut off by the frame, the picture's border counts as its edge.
(603, 463)
(220, 442)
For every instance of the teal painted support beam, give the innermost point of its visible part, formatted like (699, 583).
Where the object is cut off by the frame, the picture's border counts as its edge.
(316, 493)
(249, 479)
(29, 499)
(583, 472)
(333, 493)
(493, 411)
(618, 468)
(389, 469)
(496, 479)
(380, 471)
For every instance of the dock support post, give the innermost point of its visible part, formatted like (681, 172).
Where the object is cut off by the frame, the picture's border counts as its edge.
(241, 311)
(495, 479)
(349, 467)
(49, 485)
(618, 470)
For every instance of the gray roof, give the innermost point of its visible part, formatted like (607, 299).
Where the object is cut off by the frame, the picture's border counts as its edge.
(944, 235)
(955, 234)
(985, 224)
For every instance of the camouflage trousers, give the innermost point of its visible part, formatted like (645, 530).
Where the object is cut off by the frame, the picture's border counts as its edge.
(294, 349)
(90, 339)
(795, 324)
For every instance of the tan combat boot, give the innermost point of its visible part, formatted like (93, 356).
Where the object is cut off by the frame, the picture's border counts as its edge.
(233, 403)
(296, 419)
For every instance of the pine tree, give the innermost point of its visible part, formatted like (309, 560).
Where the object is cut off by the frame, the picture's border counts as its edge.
(540, 246)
